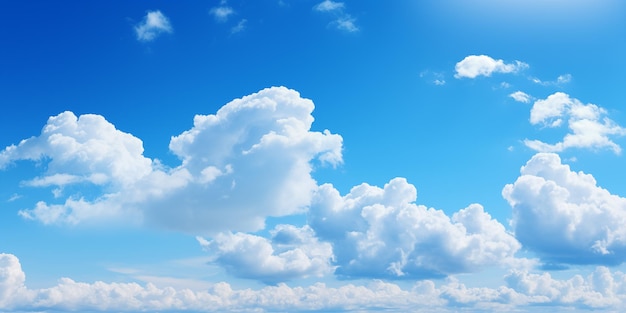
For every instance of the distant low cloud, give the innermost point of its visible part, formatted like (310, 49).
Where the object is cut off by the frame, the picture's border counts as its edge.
(291, 252)
(473, 66)
(250, 160)
(381, 233)
(520, 96)
(565, 216)
(523, 291)
(153, 25)
(588, 124)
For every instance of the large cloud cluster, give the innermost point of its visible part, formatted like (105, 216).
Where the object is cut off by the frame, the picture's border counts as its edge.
(523, 291)
(250, 160)
(381, 232)
(565, 216)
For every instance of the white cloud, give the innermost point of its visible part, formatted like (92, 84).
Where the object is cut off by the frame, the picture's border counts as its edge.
(239, 27)
(560, 80)
(328, 5)
(250, 160)
(520, 96)
(382, 233)
(523, 291)
(221, 13)
(588, 123)
(291, 253)
(343, 21)
(153, 24)
(483, 65)
(564, 216)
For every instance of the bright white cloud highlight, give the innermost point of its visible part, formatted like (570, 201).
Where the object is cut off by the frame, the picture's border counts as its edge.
(382, 233)
(520, 96)
(291, 253)
(473, 66)
(153, 24)
(250, 160)
(564, 216)
(523, 291)
(588, 123)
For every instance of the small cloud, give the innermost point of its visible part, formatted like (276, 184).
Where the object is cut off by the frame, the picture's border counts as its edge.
(520, 96)
(436, 78)
(439, 82)
(222, 13)
(505, 85)
(328, 5)
(14, 197)
(153, 24)
(346, 23)
(564, 79)
(473, 66)
(239, 27)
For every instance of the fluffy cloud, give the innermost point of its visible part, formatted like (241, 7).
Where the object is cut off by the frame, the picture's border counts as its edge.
(291, 253)
(153, 24)
(520, 96)
(221, 13)
(523, 291)
(382, 233)
(588, 123)
(250, 160)
(473, 66)
(564, 216)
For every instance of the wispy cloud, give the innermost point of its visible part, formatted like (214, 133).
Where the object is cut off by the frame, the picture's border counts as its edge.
(153, 25)
(520, 96)
(222, 13)
(239, 27)
(342, 21)
(473, 66)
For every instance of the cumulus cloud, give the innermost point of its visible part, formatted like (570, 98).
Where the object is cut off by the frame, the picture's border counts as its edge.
(382, 233)
(291, 253)
(473, 66)
(522, 292)
(250, 160)
(565, 216)
(588, 123)
(153, 25)
(520, 96)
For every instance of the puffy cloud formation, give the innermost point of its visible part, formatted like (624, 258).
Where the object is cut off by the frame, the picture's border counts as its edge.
(291, 253)
(564, 216)
(520, 96)
(522, 293)
(153, 25)
(473, 66)
(382, 233)
(250, 160)
(588, 123)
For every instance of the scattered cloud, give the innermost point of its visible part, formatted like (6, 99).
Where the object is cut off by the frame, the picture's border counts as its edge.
(565, 216)
(436, 78)
(153, 25)
(473, 66)
(222, 12)
(520, 96)
(588, 123)
(250, 160)
(342, 21)
(382, 233)
(328, 5)
(522, 291)
(562, 79)
(290, 253)
(239, 27)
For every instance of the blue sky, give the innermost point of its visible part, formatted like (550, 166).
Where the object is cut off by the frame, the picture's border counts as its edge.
(312, 156)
